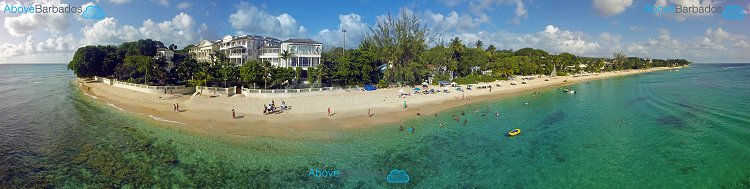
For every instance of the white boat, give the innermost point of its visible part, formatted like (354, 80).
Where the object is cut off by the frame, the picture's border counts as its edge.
(569, 91)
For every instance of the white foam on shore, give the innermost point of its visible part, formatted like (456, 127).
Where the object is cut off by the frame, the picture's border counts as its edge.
(92, 96)
(164, 120)
(110, 104)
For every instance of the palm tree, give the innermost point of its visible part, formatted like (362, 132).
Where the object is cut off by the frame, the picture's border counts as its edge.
(456, 46)
(286, 54)
(218, 57)
(201, 77)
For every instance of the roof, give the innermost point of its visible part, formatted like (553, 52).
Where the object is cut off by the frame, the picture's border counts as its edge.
(162, 49)
(310, 41)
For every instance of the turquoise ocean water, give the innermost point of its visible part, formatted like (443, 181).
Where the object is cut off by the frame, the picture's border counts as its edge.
(686, 129)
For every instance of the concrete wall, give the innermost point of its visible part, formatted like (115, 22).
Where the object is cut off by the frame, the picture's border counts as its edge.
(216, 90)
(147, 88)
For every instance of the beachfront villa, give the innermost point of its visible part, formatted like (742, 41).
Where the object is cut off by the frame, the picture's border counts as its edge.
(203, 50)
(240, 49)
(165, 55)
(304, 53)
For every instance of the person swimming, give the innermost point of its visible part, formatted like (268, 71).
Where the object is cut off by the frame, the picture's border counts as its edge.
(442, 125)
(466, 121)
(400, 128)
(497, 114)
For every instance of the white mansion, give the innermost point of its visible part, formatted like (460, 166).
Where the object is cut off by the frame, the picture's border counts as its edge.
(240, 49)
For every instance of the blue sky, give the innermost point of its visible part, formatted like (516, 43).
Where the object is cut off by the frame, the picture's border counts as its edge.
(591, 28)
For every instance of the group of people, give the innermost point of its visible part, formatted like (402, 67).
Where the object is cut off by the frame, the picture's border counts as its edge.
(176, 107)
(271, 108)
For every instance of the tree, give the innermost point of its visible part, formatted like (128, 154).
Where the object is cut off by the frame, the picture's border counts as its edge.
(286, 55)
(491, 53)
(400, 43)
(201, 77)
(471, 58)
(143, 47)
(479, 44)
(136, 68)
(218, 57)
(86, 61)
(456, 47)
(227, 72)
(618, 60)
(186, 68)
(298, 74)
(251, 72)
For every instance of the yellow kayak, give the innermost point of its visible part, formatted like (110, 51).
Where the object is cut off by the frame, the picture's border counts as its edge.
(514, 132)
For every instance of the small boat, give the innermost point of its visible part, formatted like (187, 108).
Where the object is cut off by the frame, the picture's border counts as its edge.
(569, 91)
(514, 132)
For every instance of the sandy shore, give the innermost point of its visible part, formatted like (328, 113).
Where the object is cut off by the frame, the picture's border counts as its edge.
(309, 114)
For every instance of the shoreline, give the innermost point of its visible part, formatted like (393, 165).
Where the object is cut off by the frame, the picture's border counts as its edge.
(307, 119)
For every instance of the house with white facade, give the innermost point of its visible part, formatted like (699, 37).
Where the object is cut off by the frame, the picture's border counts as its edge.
(305, 53)
(165, 55)
(240, 49)
(203, 50)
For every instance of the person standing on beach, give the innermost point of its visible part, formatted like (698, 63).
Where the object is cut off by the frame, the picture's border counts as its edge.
(174, 107)
(234, 116)
(418, 114)
(404, 104)
(178, 107)
(329, 111)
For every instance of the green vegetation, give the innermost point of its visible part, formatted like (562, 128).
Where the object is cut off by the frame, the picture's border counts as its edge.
(394, 52)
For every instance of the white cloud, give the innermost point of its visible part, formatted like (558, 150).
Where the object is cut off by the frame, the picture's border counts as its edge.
(108, 32)
(552, 39)
(481, 8)
(550, 29)
(741, 44)
(183, 5)
(355, 30)
(610, 39)
(451, 21)
(718, 34)
(611, 7)
(636, 28)
(25, 24)
(164, 3)
(181, 30)
(251, 19)
(54, 44)
(451, 3)
(708, 48)
(119, 1)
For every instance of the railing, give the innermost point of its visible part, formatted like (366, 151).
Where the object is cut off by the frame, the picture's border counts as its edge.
(303, 90)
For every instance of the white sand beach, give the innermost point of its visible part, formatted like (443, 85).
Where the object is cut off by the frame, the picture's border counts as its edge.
(308, 116)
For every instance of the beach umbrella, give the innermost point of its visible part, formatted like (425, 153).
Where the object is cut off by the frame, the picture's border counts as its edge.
(416, 89)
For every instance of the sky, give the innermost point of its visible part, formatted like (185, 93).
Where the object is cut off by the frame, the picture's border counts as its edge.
(582, 27)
